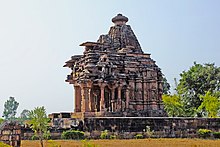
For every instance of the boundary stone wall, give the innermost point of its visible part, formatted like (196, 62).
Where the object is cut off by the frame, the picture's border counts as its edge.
(178, 127)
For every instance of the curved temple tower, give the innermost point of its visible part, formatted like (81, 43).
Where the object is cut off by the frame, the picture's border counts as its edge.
(114, 77)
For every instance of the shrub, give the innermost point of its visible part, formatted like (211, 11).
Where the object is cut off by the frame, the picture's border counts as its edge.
(73, 134)
(104, 134)
(112, 137)
(216, 134)
(149, 132)
(204, 133)
(138, 136)
(4, 145)
(47, 135)
(34, 137)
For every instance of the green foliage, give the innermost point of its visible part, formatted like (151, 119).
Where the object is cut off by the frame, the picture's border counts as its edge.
(216, 134)
(10, 108)
(4, 145)
(47, 135)
(113, 137)
(139, 136)
(34, 137)
(166, 86)
(73, 134)
(204, 133)
(1, 120)
(210, 104)
(104, 134)
(24, 114)
(149, 132)
(39, 122)
(195, 82)
(173, 105)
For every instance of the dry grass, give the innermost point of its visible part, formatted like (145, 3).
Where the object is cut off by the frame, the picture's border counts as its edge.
(128, 143)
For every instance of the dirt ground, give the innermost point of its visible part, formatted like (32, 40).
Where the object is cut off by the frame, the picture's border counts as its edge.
(126, 143)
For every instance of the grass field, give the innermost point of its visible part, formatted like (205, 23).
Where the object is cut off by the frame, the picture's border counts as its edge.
(127, 143)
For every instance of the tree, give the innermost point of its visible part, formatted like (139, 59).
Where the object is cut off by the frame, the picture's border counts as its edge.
(39, 122)
(210, 104)
(10, 108)
(166, 86)
(173, 105)
(195, 82)
(24, 114)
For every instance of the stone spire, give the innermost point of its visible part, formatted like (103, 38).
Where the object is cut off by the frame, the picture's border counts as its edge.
(121, 37)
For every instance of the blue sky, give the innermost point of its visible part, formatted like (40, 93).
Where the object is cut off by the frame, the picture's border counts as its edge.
(37, 37)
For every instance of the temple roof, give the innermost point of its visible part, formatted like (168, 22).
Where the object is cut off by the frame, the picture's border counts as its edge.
(88, 43)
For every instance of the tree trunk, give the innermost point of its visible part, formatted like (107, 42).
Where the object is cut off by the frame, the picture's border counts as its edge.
(41, 139)
(41, 142)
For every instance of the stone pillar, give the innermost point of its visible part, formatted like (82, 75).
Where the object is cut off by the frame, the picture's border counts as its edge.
(86, 91)
(84, 98)
(131, 84)
(90, 100)
(89, 85)
(102, 99)
(77, 98)
(127, 98)
(112, 101)
(83, 107)
(119, 106)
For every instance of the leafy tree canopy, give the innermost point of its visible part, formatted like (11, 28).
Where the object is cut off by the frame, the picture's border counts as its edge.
(210, 104)
(195, 82)
(10, 108)
(173, 105)
(24, 114)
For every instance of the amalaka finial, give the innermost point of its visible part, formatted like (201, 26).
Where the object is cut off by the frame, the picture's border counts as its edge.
(119, 19)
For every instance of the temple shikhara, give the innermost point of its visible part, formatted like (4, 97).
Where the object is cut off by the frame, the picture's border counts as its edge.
(114, 77)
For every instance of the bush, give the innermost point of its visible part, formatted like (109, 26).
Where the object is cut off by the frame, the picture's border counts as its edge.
(34, 137)
(47, 135)
(139, 136)
(104, 134)
(216, 134)
(149, 133)
(113, 137)
(204, 133)
(4, 145)
(73, 134)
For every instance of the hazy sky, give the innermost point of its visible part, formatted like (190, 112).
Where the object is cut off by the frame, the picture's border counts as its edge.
(37, 37)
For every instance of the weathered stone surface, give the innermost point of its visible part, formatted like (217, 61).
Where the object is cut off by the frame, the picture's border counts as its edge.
(10, 133)
(162, 126)
(114, 77)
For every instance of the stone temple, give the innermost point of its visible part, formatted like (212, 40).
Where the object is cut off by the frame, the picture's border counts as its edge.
(114, 77)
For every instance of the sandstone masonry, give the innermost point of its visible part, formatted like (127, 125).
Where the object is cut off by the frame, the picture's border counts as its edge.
(114, 77)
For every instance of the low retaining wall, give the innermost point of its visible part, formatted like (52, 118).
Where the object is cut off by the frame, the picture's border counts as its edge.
(162, 126)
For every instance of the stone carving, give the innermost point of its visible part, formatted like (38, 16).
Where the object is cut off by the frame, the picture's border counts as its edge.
(115, 77)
